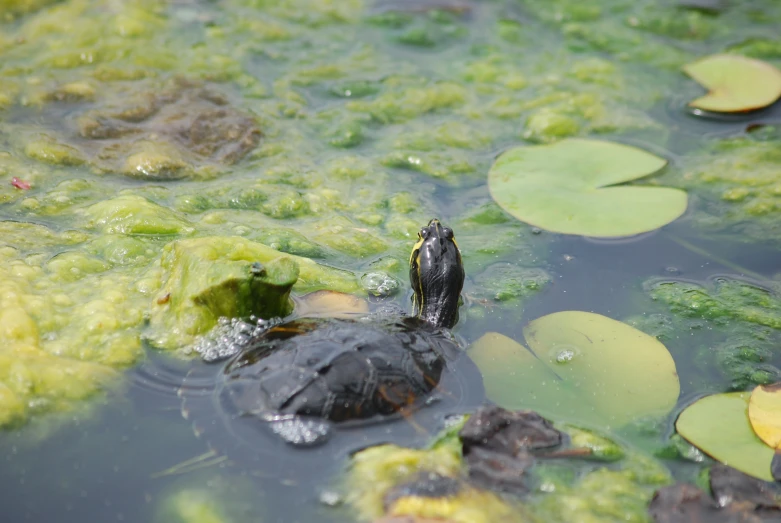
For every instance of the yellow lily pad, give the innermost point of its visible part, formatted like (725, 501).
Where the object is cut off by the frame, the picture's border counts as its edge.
(332, 304)
(736, 83)
(580, 367)
(764, 413)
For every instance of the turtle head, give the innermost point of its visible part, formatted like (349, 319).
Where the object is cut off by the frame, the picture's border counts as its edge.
(437, 275)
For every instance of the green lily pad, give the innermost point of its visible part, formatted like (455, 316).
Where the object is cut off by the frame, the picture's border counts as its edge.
(570, 187)
(582, 367)
(736, 83)
(719, 426)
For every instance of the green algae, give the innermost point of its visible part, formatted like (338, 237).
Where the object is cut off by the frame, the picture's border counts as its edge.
(207, 498)
(738, 179)
(734, 325)
(130, 214)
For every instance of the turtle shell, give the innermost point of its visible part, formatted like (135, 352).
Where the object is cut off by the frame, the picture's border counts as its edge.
(337, 369)
(306, 377)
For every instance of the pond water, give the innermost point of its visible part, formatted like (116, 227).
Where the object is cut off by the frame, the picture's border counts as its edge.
(333, 130)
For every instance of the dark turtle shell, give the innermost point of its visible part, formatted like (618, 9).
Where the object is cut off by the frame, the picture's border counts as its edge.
(337, 369)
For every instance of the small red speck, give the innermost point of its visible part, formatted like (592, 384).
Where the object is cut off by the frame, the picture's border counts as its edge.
(20, 184)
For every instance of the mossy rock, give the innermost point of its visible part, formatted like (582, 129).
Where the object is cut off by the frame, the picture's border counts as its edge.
(213, 277)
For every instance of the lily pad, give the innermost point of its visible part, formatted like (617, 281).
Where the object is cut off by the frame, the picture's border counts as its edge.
(736, 83)
(719, 426)
(570, 187)
(581, 367)
(764, 413)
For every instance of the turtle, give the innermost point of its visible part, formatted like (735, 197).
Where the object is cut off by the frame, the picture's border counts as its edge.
(308, 375)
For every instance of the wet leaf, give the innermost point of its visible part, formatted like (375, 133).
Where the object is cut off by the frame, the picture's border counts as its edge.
(736, 83)
(718, 425)
(581, 367)
(332, 304)
(20, 184)
(764, 413)
(571, 187)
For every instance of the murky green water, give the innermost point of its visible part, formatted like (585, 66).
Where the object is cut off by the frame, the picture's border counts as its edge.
(333, 131)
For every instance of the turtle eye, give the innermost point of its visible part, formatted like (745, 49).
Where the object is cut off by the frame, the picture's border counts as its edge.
(423, 234)
(448, 232)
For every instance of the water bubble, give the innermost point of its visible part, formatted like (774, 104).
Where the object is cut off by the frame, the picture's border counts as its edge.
(331, 498)
(565, 356)
(380, 284)
(229, 337)
(301, 432)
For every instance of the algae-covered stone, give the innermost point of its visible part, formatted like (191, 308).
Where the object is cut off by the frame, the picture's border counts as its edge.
(129, 214)
(155, 161)
(213, 277)
(205, 283)
(175, 130)
(376, 470)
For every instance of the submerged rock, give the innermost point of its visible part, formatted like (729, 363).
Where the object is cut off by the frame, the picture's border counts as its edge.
(499, 444)
(213, 277)
(182, 130)
(205, 283)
